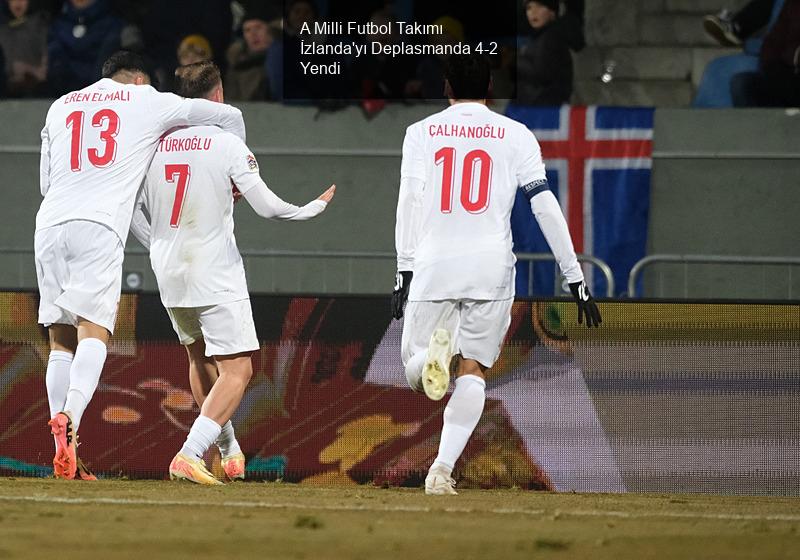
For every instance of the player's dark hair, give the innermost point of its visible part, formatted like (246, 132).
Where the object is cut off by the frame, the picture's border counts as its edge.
(197, 80)
(469, 76)
(124, 61)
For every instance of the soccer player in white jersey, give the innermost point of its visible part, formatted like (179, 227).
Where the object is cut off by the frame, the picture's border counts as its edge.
(97, 144)
(459, 176)
(199, 269)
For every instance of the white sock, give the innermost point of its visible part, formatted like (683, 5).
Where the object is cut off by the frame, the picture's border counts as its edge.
(57, 380)
(414, 370)
(203, 433)
(84, 376)
(460, 418)
(227, 441)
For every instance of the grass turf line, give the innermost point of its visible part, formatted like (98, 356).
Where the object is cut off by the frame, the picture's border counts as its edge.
(135, 519)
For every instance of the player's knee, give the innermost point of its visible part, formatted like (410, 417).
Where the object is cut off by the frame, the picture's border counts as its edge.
(413, 370)
(405, 355)
(63, 338)
(196, 350)
(415, 383)
(238, 367)
(88, 329)
(414, 378)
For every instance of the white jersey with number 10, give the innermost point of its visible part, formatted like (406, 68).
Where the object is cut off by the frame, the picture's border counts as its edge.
(470, 161)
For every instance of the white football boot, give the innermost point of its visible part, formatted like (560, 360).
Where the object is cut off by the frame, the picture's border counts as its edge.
(440, 483)
(436, 371)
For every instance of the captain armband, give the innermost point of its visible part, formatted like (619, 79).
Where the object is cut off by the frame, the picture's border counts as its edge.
(535, 187)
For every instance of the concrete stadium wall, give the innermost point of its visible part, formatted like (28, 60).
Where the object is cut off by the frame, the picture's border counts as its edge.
(301, 152)
(724, 182)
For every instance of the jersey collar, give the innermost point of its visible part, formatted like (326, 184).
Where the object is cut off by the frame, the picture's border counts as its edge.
(471, 104)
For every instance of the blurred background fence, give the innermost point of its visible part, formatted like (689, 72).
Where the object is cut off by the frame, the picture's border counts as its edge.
(724, 182)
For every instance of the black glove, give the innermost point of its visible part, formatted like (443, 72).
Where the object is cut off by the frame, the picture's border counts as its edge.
(400, 293)
(586, 304)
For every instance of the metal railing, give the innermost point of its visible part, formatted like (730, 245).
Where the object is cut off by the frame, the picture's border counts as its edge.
(530, 258)
(352, 256)
(723, 155)
(686, 260)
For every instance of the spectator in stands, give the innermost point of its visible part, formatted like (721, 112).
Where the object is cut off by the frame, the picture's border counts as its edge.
(572, 21)
(194, 48)
(168, 22)
(286, 81)
(50, 8)
(23, 40)
(79, 40)
(544, 63)
(732, 29)
(714, 90)
(380, 76)
(246, 79)
(777, 81)
(298, 12)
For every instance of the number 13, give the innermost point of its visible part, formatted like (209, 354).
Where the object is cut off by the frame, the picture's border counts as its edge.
(111, 121)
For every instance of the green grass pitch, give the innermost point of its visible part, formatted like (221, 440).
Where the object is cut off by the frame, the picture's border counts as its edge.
(145, 520)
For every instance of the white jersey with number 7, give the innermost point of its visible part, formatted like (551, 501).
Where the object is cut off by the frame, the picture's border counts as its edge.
(464, 166)
(188, 194)
(97, 144)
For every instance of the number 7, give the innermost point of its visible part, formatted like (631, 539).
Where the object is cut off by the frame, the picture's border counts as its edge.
(184, 173)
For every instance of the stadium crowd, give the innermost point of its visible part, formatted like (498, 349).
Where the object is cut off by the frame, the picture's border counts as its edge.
(50, 47)
(767, 71)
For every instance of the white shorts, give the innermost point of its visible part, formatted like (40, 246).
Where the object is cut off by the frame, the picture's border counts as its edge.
(477, 327)
(79, 271)
(227, 328)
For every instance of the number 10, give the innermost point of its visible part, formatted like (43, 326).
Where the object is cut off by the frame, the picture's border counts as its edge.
(472, 204)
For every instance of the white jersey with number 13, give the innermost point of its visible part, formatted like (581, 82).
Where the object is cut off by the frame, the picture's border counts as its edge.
(97, 144)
